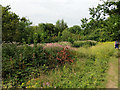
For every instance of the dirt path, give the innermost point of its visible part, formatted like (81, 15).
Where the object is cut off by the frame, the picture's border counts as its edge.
(113, 74)
(113, 78)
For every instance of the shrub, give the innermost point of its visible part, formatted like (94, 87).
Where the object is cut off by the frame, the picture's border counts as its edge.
(68, 36)
(71, 40)
(23, 62)
(64, 56)
(20, 61)
(51, 53)
(83, 43)
(65, 43)
(58, 55)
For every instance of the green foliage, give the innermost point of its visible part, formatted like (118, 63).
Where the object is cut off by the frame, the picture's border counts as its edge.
(13, 26)
(103, 25)
(9, 24)
(75, 29)
(23, 61)
(87, 72)
(104, 17)
(51, 54)
(24, 66)
(18, 61)
(58, 55)
(47, 33)
(68, 36)
(60, 25)
(84, 43)
(71, 40)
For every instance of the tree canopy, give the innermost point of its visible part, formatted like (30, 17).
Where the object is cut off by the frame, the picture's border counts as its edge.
(103, 25)
(105, 18)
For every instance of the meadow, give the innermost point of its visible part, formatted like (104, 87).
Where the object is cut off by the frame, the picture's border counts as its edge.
(50, 55)
(59, 65)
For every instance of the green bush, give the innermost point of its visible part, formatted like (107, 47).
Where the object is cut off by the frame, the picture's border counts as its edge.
(68, 36)
(58, 56)
(71, 40)
(23, 61)
(20, 61)
(89, 71)
(83, 43)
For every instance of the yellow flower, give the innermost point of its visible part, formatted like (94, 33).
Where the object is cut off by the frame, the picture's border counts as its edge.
(33, 86)
(22, 83)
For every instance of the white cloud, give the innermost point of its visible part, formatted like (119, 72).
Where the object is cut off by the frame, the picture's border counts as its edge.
(51, 10)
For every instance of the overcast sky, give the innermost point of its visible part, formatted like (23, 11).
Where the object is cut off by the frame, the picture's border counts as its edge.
(49, 11)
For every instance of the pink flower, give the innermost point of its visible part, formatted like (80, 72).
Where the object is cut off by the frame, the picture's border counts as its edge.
(43, 84)
(47, 84)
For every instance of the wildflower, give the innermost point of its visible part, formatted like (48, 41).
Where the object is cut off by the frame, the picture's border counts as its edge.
(47, 83)
(22, 83)
(43, 84)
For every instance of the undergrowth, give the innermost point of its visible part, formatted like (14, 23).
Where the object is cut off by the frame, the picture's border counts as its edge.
(58, 67)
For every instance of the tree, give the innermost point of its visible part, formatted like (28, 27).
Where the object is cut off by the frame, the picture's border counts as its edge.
(14, 28)
(50, 28)
(113, 22)
(10, 22)
(75, 29)
(23, 29)
(104, 17)
(60, 26)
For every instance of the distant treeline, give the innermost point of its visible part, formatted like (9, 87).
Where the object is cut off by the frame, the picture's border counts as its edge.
(103, 25)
